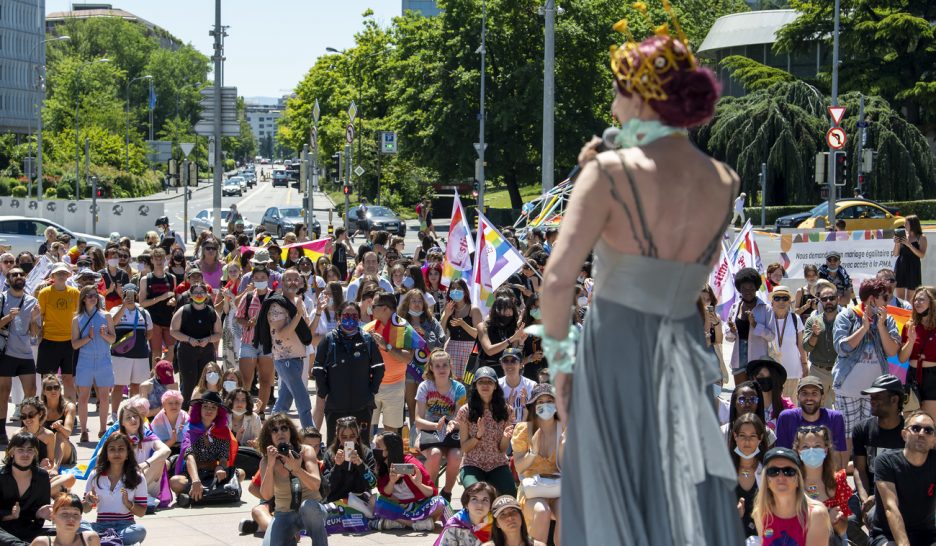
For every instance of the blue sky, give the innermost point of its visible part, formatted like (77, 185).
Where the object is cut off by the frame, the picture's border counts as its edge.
(271, 44)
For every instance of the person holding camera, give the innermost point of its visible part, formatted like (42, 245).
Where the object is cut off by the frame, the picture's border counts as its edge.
(290, 476)
(408, 495)
(910, 248)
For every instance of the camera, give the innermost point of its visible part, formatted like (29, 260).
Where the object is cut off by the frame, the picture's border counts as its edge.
(284, 449)
(403, 468)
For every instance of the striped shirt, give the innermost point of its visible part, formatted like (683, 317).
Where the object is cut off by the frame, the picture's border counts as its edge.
(110, 505)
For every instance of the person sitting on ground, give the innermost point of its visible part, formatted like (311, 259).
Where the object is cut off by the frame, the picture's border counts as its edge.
(117, 490)
(343, 479)
(537, 451)
(810, 412)
(783, 514)
(485, 429)
(208, 449)
(23, 514)
(66, 515)
(161, 381)
(821, 479)
(60, 419)
(33, 414)
(747, 445)
(470, 526)
(438, 398)
(210, 380)
(747, 398)
(407, 493)
(286, 459)
(509, 529)
(149, 451)
(170, 422)
(771, 376)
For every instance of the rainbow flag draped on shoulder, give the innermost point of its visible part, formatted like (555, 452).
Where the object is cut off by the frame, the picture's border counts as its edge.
(459, 246)
(402, 335)
(495, 261)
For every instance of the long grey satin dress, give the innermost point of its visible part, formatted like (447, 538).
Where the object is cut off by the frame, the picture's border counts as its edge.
(645, 463)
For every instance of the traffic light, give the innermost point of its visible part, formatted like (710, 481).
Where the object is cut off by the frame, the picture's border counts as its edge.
(841, 168)
(333, 171)
(347, 189)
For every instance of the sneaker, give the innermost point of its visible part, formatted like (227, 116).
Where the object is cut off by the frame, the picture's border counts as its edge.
(389, 525)
(111, 419)
(424, 525)
(183, 500)
(447, 495)
(248, 527)
(151, 505)
(361, 505)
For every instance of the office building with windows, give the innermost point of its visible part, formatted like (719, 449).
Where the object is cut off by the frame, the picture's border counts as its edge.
(22, 29)
(425, 7)
(262, 119)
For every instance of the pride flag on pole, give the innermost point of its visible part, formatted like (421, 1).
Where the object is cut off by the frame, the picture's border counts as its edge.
(894, 364)
(313, 249)
(459, 246)
(495, 261)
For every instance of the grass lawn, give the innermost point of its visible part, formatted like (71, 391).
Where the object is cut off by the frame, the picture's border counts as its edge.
(500, 198)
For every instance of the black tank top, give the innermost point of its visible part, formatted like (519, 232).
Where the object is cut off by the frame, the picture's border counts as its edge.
(198, 324)
(456, 333)
(160, 312)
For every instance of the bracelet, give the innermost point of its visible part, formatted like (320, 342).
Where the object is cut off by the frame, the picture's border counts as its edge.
(559, 352)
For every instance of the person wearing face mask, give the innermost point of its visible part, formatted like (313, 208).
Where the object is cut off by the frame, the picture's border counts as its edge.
(537, 453)
(252, 361)
(177, 265)
(770, 375)
(210, 381)
(131, 353)
(413, 306)
(811, 413)
(114, 279)
(833, 271)
(747, 398)
(821, 479)
(817, 338)
(161, 380)
(500, 331)
(460, 320)
(196, 327)
(864, 336)
(747, 444)
(26, 261)
(748, 327)
(19, 312)
(349, 365)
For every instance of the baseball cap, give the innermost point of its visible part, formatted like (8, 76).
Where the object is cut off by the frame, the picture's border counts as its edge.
(502, 503)
(886, 382)
(130, 287)
(833, 253)
(781, 453)
(87, 272)
(511, 352)
(485, 372)
(810, 381)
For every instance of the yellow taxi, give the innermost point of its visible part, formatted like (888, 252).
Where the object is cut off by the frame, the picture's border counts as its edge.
(858, 215)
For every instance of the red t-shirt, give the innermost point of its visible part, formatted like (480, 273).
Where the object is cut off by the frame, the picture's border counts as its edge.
(925, 343)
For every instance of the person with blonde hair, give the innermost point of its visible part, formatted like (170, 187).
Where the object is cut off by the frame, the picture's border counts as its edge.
(919, 350)
(438, 398)
(783, 513)
(92, 335)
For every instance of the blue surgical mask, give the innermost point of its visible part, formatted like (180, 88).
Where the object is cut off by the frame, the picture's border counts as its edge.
(457, 295)
(350, 324)
(408, 282)
(813, 457)
(546, 411)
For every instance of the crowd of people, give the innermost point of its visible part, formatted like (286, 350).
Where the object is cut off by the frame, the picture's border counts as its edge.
(195, 355)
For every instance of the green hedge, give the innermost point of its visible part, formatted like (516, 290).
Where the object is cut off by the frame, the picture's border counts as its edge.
(925, 209)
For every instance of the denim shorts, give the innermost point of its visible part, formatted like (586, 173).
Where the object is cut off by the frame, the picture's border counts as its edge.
(247, 350)
(94, 371)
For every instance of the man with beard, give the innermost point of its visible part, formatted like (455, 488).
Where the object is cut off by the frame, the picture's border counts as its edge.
(811, 413)
(818, 342)
(905, 481)
(19, 312)
(881, 431)
(890, 278)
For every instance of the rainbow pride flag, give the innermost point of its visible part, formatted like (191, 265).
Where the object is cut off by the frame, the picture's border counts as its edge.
(458, 248)
(894, 364)
(495, 261)
(402, 335)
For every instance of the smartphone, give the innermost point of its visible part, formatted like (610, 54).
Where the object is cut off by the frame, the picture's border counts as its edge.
(710, 308)
(403, 468)
(901, 232)
(348, 448)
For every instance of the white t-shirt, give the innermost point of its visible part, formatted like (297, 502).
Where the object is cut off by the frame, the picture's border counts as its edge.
(788, 330)
(110, 506)
(527, 385)
(865, 371)
(130, 316)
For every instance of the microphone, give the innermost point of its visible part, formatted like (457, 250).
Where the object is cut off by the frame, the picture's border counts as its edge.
(607, 139)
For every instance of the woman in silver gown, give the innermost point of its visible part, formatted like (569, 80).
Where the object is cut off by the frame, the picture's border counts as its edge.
(644, 462)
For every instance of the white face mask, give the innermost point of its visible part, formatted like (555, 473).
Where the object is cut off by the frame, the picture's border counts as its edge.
(546, 411)
(239, 412)
(741, 454)
(229, 385)
(260, 285)
(113, 262)
(212, 378)
(415, 313)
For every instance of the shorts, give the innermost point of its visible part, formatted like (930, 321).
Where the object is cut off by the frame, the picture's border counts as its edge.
(390, 401)
(926, 391)
(10, 366)
(854, 410)
(130, 370)
(94, 371)
(247, 350)
(55, 356)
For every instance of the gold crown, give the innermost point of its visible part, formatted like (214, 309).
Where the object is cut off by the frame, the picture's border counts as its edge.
(646, 75)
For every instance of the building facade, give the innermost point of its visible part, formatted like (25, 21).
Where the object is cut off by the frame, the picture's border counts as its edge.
(425, 7)
(21, 31)
(262, 119)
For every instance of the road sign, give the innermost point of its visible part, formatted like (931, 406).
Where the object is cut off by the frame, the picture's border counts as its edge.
(159, 150)
(388, 142)
(313, 137)
(477, 146)
(837, 112)
(206, 128)
(359, 171)
(352, 111)
(835, 138)
(316, 111)
(349, 133)
(186, 147)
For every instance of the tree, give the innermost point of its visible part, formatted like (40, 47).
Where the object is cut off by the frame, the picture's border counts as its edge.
(888, 49)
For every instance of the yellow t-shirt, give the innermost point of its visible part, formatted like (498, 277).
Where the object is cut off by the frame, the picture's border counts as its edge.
(58, 309)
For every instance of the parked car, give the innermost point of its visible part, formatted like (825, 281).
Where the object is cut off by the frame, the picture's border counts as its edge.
(796, 219)
(858, 214)
(204, 220)
(380, 218)
(26, 233)
(232, 187)
(282, 220)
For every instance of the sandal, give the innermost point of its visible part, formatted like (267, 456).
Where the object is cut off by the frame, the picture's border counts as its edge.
(84, 437)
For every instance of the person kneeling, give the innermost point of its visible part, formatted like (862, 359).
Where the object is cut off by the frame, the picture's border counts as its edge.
(290, 475)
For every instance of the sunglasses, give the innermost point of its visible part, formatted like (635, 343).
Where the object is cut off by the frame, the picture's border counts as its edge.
(810, 429)
(209, 248)
(8, 262)
(829, 299)
(916, 429)
(347, 421)
(29, 415)
(788, 471)
(748, 400)
(52, 388)
(781, 298)
(276, 430)
(15, 275)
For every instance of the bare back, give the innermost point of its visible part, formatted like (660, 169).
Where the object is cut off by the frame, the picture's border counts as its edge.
(669, 200)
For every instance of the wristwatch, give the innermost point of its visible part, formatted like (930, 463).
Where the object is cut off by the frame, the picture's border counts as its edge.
(389, 346)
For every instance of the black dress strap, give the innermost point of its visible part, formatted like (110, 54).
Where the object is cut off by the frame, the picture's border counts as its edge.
(647, 248)
(713, 246)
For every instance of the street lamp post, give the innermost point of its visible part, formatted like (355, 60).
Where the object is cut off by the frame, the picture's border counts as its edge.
(127, 161)
(41, 85)
(77, 139)
(481, 144)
